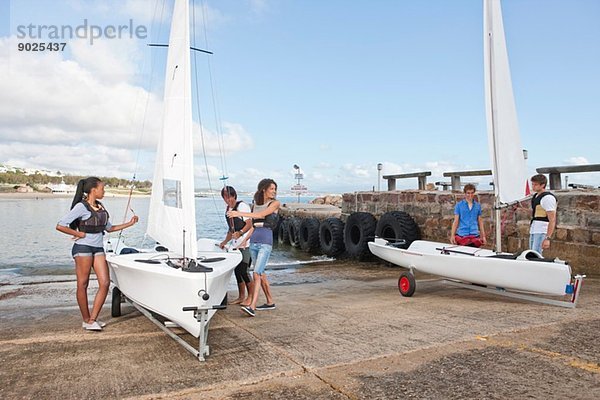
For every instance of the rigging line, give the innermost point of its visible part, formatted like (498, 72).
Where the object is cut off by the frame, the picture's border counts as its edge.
(150, 84)
(142, 128)
(219, 128)
(217, 117)
(197, 91)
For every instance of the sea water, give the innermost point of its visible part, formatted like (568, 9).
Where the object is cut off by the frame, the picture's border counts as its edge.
(32, 250)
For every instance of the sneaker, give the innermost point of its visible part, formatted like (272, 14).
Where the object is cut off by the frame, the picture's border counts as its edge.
(266, 307)
(249, 311)
(102, 324)
(94, 326)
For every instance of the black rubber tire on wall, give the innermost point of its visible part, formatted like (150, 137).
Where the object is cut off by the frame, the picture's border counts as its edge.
(394, 226)
(358, 232)
(276, 231)
(331, 237)
(115, 309)
(283, 236)
(309, 234)
(294, 231)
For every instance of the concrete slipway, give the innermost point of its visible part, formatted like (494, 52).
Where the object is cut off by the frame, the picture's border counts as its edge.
(340, 331)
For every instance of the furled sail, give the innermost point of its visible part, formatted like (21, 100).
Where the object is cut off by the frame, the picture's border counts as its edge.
(506, 151)
(172, 217)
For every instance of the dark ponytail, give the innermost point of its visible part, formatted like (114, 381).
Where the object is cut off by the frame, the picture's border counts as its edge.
(78, 193)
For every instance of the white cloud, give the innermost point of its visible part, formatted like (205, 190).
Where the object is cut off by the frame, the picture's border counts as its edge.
(353, 170)
(213, 17)
(259, 6)
(233, 139)
(323, 165)
(77, 159)
(141, 11)
(47, 99)
(108, 60)
(577, 161)
(53, 108)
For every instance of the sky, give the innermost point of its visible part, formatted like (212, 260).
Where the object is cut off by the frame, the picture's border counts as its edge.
(333, 86)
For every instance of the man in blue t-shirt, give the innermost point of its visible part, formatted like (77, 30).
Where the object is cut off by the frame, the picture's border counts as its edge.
(467, 228)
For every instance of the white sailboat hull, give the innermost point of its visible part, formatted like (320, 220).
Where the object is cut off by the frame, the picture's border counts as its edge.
(478, 266)
(166, 290)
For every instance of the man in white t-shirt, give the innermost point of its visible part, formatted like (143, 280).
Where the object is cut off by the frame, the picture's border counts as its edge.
(239, 233)
(543, 215)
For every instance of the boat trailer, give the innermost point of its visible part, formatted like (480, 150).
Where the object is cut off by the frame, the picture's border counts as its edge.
(407, 286)
(571, 303)
(200, 313)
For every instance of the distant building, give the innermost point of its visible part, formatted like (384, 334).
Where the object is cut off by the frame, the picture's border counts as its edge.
(24, 189)
(62, 187)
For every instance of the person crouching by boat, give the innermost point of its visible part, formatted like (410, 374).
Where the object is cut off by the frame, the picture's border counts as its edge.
(265, 217)
(467, 227)
(543, 214)
(239, 231)
(86, 223)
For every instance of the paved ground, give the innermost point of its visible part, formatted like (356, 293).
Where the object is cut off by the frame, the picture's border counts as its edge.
(340, 331)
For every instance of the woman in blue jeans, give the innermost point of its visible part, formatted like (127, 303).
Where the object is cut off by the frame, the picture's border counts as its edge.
(265, 217)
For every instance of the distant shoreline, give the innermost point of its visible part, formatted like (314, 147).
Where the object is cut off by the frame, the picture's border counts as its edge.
(45, 195)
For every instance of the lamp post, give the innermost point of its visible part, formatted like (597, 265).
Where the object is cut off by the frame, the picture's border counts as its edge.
(379, 168)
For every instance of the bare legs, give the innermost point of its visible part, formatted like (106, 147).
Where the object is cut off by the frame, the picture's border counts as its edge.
(241, 293)
(250, 287)
(83, 268)
(242, 299)
(246, 300)
(101, 270)
(260, 281)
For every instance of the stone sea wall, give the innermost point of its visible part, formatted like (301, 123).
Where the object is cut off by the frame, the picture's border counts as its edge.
(577, 237)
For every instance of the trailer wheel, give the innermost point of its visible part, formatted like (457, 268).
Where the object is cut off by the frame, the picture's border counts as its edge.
(407, 284)
(115, 309)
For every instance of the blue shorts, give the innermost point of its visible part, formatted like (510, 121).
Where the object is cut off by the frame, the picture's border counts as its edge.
(82, 250)
(260, 253)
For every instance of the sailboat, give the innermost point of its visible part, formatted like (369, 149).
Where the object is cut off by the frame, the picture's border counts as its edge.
(504, 272)
(186, 283)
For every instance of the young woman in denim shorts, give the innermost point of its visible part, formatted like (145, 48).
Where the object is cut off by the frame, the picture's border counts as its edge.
(265, 217)
(86, 223)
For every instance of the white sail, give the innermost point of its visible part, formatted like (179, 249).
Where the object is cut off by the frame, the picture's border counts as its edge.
(506, 151)
(172, 217)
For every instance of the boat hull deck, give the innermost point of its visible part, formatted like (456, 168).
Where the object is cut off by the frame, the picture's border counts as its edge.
(165, 290)
(478, 266)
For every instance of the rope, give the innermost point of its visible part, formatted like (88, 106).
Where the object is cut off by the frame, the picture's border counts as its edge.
(220, 136)
(143, 126)
(217, 119)
(511, 212)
